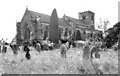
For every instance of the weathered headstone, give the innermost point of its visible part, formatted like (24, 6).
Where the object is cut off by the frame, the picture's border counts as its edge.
(38, 47)
(54, 28)
(4, 49)
(27, 55)
(63, 50)
(95, 51)
(86, 52)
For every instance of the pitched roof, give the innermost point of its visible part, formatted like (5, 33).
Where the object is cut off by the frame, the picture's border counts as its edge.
(44, 18)
(76, 21)
(62, 22)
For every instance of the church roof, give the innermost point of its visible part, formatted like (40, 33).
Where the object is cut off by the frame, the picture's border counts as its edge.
(62, 22)
(77, 22)
(44, 18)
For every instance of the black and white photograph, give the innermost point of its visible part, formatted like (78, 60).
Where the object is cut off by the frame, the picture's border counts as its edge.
(60, 37)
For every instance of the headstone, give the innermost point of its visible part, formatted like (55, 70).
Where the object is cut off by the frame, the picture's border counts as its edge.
(54, 28)
(38, 47)
(27, 52)
(94, 52)
(63, 50)
(4, 49)
(97, 55)
(28, 55)
(86, 52)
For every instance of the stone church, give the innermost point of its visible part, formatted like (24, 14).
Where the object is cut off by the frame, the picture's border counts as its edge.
(35, 25)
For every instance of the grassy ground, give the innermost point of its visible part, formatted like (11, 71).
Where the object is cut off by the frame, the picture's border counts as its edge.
(50, 62)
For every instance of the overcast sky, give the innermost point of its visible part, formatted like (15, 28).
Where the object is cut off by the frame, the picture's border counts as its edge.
(13, 10)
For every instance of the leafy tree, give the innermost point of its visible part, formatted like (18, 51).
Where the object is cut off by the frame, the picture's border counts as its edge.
(113, 36)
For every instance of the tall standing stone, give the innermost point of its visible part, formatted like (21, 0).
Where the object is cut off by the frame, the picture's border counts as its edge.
(54, 28)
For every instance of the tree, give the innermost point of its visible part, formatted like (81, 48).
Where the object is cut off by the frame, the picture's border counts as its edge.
(113, 36)
(54, 28)
(103, 24)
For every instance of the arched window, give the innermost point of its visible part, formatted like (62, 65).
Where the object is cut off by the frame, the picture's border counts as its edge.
(84, 18)
(78, 35)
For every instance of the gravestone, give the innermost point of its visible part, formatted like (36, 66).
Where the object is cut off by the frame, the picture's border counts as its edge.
(63, 50)
(86, 52)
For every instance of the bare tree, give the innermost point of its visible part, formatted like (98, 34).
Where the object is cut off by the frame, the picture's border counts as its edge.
(103, 24)
(106, 22)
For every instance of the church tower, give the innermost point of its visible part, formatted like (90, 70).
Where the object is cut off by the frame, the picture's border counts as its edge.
(87, 17)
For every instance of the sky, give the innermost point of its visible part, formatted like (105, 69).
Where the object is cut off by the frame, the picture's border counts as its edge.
(12, 11)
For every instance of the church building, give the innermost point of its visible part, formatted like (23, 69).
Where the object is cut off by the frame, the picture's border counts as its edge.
(35, 25)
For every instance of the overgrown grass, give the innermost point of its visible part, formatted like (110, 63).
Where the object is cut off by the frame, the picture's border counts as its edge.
(50, 62)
